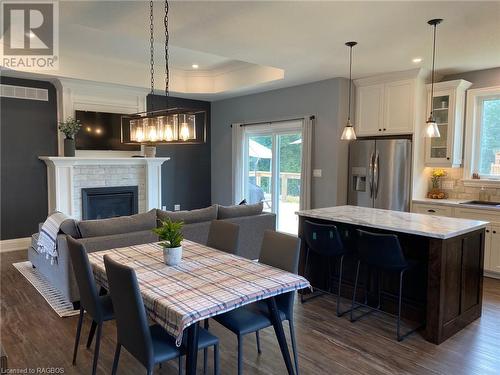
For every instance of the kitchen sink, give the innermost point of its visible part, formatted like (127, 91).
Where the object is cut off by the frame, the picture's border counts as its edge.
(482, 203)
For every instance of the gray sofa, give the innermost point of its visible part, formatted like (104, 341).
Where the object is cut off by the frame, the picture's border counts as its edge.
(136, 229)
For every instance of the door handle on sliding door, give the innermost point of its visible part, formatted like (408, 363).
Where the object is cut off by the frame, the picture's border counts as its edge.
(376, 174)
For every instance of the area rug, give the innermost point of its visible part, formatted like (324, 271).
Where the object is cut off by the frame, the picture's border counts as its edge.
(54, 298)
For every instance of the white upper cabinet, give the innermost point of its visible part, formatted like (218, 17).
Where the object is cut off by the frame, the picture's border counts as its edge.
(386, 104)
(399, 107)
(448, 105)
(369, 110)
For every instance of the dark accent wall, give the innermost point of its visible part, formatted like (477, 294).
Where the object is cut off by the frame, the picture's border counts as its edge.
(28, 129)
(186, 176)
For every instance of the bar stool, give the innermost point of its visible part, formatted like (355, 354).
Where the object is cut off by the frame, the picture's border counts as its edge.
(325, 241)
(383, 253)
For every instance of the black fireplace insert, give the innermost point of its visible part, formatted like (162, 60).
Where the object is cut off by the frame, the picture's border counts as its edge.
(106, 202)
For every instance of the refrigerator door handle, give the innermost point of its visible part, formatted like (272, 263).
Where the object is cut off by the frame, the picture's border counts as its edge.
(376, 174)
(370, 175)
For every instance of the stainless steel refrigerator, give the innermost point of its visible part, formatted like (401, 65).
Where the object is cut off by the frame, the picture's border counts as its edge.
(380, 173)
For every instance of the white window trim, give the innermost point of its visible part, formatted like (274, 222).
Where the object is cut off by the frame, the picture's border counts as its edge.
(238, 149)
(472, 136)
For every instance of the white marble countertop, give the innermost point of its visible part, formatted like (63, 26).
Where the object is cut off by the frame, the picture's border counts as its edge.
(403, 222)
(456, 203)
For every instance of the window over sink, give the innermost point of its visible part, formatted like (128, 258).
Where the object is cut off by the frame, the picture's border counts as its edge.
(483, 134)
(489, 135)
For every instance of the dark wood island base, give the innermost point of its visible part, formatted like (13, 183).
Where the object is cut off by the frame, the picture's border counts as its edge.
(445, 292)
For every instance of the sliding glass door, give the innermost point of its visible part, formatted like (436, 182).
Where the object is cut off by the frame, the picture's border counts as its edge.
(272, 175)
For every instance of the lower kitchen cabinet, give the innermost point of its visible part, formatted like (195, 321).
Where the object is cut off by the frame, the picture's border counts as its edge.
(492, 252)
(492, 235)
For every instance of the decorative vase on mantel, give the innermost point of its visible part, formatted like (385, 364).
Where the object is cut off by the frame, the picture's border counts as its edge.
(69, 128)
(69, 147)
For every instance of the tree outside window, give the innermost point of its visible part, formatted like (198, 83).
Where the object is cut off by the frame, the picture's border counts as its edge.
(489, 157)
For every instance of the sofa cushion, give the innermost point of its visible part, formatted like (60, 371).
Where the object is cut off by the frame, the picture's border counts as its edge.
(227, 212)
(114, 241)
(70, 227)
(118, 225)
(190, 217)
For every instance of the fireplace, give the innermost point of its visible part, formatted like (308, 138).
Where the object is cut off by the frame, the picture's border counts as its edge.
(106, 202)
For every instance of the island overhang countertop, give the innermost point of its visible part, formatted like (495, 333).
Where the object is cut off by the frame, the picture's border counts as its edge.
(405, 222)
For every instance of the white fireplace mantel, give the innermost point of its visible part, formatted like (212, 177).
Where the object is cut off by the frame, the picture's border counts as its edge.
(67, 175)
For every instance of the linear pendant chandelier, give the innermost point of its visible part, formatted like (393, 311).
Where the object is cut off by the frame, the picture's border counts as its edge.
(168, 125)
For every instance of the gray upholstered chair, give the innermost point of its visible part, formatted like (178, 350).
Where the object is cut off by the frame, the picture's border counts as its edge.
(99, 308)
(150, 345)
(224, 236)
(281, 251)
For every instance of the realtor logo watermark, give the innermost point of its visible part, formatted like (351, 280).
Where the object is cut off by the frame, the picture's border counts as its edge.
(30, 38)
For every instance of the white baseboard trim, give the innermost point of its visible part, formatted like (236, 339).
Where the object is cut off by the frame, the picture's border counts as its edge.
(492, 274)
(15, 244)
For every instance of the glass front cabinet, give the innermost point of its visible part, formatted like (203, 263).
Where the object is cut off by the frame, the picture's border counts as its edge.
(448, 106)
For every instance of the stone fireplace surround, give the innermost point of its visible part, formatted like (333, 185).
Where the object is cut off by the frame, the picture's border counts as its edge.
(67, 176)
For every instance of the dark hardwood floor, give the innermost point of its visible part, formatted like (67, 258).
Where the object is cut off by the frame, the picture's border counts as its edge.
(35, 337)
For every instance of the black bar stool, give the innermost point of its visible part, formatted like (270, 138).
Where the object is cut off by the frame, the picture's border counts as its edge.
(383, 253)
(324, 240)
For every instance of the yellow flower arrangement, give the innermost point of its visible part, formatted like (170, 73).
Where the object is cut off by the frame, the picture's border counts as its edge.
(437, 174)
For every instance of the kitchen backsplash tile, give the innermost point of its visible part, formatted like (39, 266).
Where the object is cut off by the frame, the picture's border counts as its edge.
(459, 191)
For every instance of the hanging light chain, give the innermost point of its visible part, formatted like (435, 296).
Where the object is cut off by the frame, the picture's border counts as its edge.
(433, 65)
(167, 36)
(350, 45)
(151, 47)
(350, 83)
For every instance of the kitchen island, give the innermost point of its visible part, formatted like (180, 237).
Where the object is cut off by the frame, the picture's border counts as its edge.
(445, 292)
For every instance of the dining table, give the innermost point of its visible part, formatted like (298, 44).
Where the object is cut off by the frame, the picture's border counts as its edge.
(206, 283)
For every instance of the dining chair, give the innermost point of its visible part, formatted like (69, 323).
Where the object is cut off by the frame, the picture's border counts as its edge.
(325, 241)
(383, 253)
(281, 251)
(99, 308)
(224, 236)
(150, 345)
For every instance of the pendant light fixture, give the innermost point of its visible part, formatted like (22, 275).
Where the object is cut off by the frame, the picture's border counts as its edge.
(348, 133)
(432, 130)
(169, 125)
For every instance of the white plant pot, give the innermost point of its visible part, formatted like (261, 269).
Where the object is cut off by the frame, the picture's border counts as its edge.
(172, 255)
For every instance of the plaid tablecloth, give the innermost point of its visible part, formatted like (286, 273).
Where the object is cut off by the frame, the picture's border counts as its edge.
(208, 282)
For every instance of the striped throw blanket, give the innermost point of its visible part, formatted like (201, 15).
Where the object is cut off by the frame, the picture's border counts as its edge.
(47, 240)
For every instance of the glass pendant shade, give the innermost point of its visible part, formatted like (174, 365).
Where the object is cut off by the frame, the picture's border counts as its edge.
(348, 134)
(187, 128)
(166, 126)
(432, 130)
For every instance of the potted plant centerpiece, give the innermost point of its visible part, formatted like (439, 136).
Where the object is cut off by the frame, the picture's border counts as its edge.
(69, 128)
(170, 233)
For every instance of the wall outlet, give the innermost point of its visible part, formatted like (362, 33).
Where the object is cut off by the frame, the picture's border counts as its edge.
(177, 207)
(317, 172)
(164, 208)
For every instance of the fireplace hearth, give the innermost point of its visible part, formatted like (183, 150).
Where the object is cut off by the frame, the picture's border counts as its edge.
(106, 202)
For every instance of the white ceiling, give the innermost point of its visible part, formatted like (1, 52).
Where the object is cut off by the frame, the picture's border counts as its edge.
(108, 41)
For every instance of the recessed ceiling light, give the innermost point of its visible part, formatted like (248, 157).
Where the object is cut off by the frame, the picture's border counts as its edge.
(195, 66)
(416, 60)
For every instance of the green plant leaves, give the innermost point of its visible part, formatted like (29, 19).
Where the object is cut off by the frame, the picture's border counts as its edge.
(170, 232)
